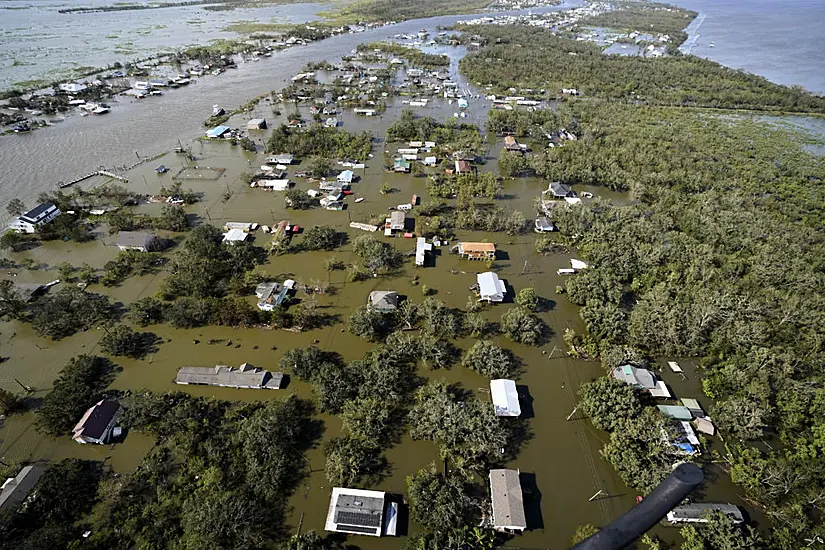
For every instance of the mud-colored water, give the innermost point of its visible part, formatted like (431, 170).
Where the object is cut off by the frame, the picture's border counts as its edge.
(562, 455)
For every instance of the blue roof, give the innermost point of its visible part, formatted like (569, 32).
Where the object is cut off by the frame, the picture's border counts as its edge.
(218, 131)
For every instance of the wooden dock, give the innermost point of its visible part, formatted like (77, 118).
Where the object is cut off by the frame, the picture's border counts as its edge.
(64, 184)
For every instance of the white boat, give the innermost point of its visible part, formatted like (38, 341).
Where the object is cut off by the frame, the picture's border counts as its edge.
(359, 199)
(217, 110)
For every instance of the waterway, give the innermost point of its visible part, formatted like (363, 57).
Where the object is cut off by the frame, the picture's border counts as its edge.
(560, 460)
(778, 39)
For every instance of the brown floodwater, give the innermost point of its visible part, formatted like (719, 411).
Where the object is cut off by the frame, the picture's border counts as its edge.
(562, 455)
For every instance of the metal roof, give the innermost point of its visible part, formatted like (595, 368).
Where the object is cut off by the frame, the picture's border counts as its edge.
(15, 491)
(356, 511)
(246, 376)
(508, 502)
(505, 397)
(490, 286)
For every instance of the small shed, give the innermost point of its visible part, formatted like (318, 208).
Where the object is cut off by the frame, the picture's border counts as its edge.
(430, 161)
(505, 397)
(256, 124)
(401, 165)
(397, 220)
(696, 512)
(490, 287)
(383, 301)
(677, 412)
(346, 176)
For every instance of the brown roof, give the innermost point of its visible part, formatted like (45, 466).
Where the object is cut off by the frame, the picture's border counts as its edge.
(477, 247)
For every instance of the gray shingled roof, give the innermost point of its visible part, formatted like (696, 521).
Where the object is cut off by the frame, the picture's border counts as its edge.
(508, 502)
(18, 489)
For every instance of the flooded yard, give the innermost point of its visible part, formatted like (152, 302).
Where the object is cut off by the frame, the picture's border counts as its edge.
(562, 455)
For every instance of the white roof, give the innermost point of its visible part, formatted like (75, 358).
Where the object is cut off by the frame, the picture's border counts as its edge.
(577, 264)
(490, 286)
(505, 397)
(234, 235)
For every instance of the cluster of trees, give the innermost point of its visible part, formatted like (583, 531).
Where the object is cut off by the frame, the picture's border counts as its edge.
(60, 314)
(172, 218)
(376, 255)
(81, 383)
(124, 341)
(219, 475)
(128, 263)
(480, 184)
(323, 237)
(53, 516)
(466, 429)
(718, 257)
(528, 57)
(414, 56)
(450, 136)
(640, 447)
(535, 123)
(191, 312)
(317, 140)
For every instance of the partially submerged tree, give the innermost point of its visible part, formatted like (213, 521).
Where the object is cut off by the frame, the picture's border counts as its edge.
(489, 360)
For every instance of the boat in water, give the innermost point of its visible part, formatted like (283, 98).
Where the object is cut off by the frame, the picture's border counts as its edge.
(217, 110)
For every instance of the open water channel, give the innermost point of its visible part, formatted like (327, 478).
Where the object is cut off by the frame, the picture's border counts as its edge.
(560, 459)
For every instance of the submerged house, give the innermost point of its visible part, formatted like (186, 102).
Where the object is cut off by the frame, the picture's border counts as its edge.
(642, 379)
(559, 190)
(256, 124)
(361, 512)
(244, 377)
(490, 287)
(508, 501)
(136, 240)
(383, 301)
(34, 218)
(421, 249)
(16, 489)
(476, 251)
(218, 132)
(272, 295)
(505, 397)
(697, 512)
(347, 176)
(401, 165)
(97, 423)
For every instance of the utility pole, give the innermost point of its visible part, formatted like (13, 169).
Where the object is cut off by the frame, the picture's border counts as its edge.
(600, 493)
(569, 416)
(26, 388)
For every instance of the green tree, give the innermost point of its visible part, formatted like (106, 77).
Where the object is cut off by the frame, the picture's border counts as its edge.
(352, 461)
(69, 310)
(147, 311)
(438, 503)
(519, 325)
(584, 531)
(368, 323)
(10, 403)
(122, 340)
(172, 218)
(12, 240)
(609, 402)
(323, 237)
(367, 418)
(298, 200)
(489, 360)
(15, 207)
(378, 256)
(719, 533)
(527, 298)
(79, 385)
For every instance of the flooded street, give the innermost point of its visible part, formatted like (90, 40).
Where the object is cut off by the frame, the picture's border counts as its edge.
(563, 456)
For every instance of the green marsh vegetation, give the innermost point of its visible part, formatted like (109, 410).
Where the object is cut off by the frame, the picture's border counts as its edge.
(719, 256)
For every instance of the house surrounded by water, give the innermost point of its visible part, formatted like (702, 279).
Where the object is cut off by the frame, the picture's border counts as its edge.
(34, 218)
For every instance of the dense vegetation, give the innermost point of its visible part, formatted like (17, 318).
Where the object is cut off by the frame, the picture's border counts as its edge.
(319, 141)
(392, 10)
(645, 17)
(450, 136)
(719, 257)
(527, 57)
